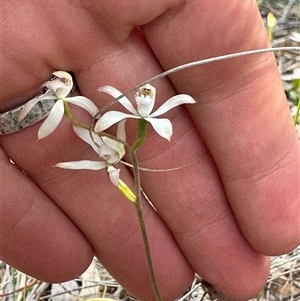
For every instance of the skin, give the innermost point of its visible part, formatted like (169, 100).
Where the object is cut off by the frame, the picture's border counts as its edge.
(220, 217)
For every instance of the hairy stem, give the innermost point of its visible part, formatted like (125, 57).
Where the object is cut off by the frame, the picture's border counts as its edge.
(138, 206)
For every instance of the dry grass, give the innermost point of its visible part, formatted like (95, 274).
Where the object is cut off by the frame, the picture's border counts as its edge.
(284, 281)
(283, 284)
(286, 33)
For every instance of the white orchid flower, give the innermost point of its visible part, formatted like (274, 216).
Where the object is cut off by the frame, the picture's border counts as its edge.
(108, 149)
(145, 99)
(58, 88)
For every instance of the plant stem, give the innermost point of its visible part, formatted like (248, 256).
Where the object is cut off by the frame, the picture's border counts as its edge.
(297, 113)
(138, 206)
(142, 134)
(69, 115)
(204, 62)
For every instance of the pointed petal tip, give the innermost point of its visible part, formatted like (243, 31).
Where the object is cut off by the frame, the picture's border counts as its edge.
(115, 93)
(43, 133)
(104, 88)
(52, 121)
(183, 99)
(27, 108)
(83, 164)
(163, 127)
(85, 103)
(110, 118)
(173, 102)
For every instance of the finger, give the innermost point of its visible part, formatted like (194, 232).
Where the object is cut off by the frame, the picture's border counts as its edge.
(35, 231)
(242, 115)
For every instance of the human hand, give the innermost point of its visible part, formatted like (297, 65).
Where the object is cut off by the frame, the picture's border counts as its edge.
(218, 217)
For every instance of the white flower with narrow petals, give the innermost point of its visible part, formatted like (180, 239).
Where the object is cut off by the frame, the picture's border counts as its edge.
(145, 99)
(108, 149)
(58, 88)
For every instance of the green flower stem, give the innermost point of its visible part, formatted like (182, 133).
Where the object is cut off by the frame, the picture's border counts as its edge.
(68, 112)
(70, 116)
(138, 206)
(142, 134)
(141, 137)
(297, 113)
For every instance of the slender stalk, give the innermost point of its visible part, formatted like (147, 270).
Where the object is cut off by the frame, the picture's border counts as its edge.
(70, 116)
(204, 62)
(138, 206)
(297, 112)
(142, 135)
(190, 65)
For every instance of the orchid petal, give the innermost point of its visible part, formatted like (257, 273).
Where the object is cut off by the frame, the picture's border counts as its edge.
(63, 91)
(108, 154)
(163, 127)
(173, 102)
(110, 150)
(121, 133)
(52, 121)
(117, 150)
(124, 101)
(110, 118)
(85, 136)
(31, 103)
(84, 103)
(114, 174)
(84, 164)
